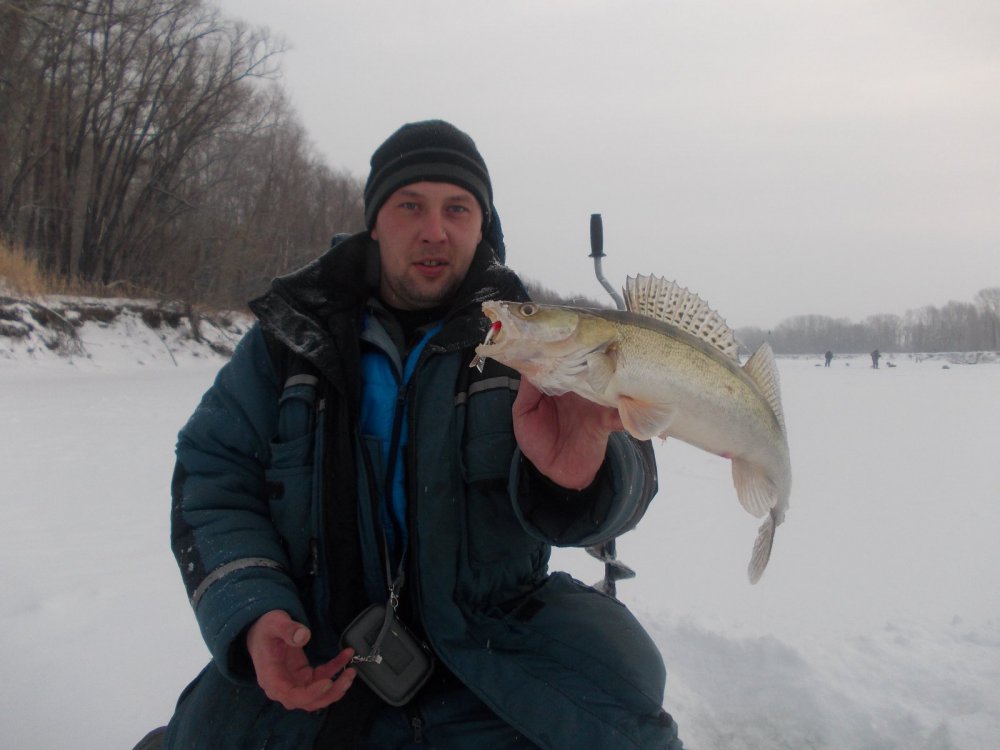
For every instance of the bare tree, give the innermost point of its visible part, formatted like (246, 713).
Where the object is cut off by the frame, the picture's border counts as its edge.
(268, 204)
(988, 301)
(958, 326)
(882, 331)
(118, 94)
(145, 140)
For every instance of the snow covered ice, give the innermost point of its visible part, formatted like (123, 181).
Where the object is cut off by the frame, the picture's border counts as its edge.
(875, 626)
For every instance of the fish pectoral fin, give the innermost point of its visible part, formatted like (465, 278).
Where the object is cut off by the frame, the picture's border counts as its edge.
(553, 389)
(762, 549)
(755, 490)
(600, 369)
(645, 419)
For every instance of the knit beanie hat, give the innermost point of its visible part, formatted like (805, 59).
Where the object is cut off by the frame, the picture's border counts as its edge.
(432, 150)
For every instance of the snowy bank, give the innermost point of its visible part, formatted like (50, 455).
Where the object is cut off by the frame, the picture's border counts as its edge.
(106, 332)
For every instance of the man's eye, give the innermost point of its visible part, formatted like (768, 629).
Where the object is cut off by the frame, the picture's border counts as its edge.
(458, 208)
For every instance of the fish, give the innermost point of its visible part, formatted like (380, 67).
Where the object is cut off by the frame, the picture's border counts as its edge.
(669, 364)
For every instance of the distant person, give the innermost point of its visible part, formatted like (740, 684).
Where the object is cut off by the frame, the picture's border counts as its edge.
(347, 456)
(875, 358)
(828, 357)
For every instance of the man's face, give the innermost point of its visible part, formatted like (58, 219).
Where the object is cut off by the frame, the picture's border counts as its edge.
(427, 234)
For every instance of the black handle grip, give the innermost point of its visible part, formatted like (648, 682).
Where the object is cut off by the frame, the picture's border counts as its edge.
(596, 236)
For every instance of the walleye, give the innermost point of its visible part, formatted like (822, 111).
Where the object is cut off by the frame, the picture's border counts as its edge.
(669, 365)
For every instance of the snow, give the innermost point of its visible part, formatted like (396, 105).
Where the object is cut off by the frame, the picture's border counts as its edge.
(876, 624)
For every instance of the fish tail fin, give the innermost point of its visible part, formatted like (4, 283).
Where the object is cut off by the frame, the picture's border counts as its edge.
(762, 548)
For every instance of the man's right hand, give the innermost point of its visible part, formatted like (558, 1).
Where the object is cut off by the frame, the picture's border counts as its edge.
(275, 643)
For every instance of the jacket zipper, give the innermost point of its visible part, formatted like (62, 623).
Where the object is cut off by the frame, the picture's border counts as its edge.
(390, 478)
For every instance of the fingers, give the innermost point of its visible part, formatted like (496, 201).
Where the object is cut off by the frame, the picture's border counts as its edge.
(569, 408)
(564, 436)
(335, 665)
(266, 629)
(321, 689)
(602, 420)
(612, 421)
(277, 624)
(275, 644)
(315, 695)
(527, 397)
(341, 685)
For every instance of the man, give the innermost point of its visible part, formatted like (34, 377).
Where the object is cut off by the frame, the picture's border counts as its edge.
(348, 456)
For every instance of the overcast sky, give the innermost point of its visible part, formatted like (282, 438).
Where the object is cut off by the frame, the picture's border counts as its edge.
(778, 157)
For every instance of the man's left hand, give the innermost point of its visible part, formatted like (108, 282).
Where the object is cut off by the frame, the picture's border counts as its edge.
(565, 437)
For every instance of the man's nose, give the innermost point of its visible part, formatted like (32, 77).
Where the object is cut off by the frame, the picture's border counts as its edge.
(432, 227)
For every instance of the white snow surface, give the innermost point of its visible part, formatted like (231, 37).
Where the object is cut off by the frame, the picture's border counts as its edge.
(875, 626)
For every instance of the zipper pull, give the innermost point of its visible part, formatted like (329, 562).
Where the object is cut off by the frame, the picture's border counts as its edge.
(418, 729)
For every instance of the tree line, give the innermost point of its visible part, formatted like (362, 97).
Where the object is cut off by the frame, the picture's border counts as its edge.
(147, 142)
(958, 326)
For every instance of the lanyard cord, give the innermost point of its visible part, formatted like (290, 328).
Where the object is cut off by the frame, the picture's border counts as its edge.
(395, 583)
(375, 654)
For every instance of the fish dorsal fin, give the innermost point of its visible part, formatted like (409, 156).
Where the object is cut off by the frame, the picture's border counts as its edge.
(666, 301)
(763, 370)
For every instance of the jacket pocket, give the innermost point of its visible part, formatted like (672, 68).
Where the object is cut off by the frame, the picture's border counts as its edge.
(495, 535)
(488, 457)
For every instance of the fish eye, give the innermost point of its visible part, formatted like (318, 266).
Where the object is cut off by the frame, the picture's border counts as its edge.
(528, 309)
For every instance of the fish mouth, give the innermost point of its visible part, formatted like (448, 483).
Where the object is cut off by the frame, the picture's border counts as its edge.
(492, 335)
(498, 322)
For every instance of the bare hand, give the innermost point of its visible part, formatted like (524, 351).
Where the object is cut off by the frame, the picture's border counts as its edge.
(275, 643)
(565, 437)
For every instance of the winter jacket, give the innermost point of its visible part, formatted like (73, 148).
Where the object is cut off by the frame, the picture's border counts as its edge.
(276, 506)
